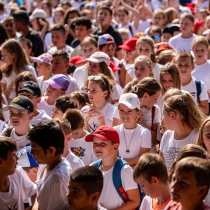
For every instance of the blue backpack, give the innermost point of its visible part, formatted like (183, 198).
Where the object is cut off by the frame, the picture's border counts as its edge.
(116, 178)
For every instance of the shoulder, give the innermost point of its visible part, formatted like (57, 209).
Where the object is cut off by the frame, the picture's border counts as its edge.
(178, 36)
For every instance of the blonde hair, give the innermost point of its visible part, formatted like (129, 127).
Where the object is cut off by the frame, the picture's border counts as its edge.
(159, 11)
(166, 56)
(123, 31)
(143, 58)
(185, 105)
(89, 40)
(150, 42)
(171, 69)
(188, 16)
(169, 14)
(199, 140)
(200, 40)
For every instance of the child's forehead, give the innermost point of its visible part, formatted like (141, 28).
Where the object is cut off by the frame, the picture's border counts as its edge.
(183, 60)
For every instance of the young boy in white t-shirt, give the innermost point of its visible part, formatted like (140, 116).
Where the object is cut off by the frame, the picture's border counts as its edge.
(77, 144)
(21, 113)
(134, 138)
(151, 175)
(105, 145)
(196, 88)
(15, 185)
(47, 145)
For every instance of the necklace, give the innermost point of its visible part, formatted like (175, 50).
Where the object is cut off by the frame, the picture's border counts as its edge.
(127, 147)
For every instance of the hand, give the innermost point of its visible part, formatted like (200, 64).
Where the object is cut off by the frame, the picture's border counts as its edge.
(93, 111)
(42, 23)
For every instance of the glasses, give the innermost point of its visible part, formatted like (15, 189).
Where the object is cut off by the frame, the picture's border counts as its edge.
(96, 78)
(156, 37)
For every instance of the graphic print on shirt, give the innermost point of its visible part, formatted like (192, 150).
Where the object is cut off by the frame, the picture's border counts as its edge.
(78, 151)
(93, 127)
(13, 207)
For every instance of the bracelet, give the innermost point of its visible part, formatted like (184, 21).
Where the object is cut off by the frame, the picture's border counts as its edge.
(100, 117)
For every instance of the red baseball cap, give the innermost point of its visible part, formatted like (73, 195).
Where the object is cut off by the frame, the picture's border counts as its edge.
(197, 25)
(114, 67)
(76, 60)
(105, 133)
(130, 44)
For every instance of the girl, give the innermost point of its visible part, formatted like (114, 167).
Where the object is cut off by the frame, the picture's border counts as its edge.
(100, 111)
(80, 98)
(183, 119)
(203, 137)
(201, 70)
(47, 7)
(58, 15)
(16, 62)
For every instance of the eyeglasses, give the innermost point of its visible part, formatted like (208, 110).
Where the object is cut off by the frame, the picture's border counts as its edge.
(156, 37)
(96, 78)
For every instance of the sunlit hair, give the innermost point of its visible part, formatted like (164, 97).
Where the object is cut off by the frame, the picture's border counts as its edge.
(200, 40)
(144, 59)
(171, 69)
(89, 40)
(188, 16)
(185, 54)
(166, 56)
(186, 107)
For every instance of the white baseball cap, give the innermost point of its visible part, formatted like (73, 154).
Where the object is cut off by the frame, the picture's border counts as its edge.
(130, 100)
(99, 57)
(38, 13)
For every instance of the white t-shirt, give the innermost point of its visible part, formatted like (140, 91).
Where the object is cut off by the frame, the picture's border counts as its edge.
(67, 49)
(170, 147)
(130, 27)
(74, 161)
(191, 88)
(43, 105)
(79, 74)
(20, 187)
(82, 149)
(52, 189)
(73, 86)
(109, 191)
(181, 44)
(107, 111)
(42, 84)
(40, 117)
(202, 72)
(47, 41)
(11, 78)
(143, 25)
(135, 139)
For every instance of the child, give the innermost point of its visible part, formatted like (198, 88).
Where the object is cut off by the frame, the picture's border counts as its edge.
(26, 45)
(151, 175)
(74, 161)
(155, 33)
(105, 144)
(88, 182)
(62, 104)
(80, 98)
(124, 33)
(21, 113)
(134, 139)
(47, 145)
(16, 62)
(190, 184)
(57, 86)
(15, 184)
(196, 88)
(182, 42)
(182, 124)
(78, 145)
(59, 37)
(31, 90)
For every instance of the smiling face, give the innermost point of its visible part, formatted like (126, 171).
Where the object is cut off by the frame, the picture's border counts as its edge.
(142, 70)
(185, 66)
(167, 81)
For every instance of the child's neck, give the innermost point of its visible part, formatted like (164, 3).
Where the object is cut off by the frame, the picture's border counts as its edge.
(21, 131)
(186, 80)
(104, 28)
(187, 35)
(61, 46)
(182, 131)
(124, 23)
(130, 125)
(108, 162)
(47, 75)
(200, 61)
(49, 100)
(4, 183)
(164, 194)
(100, 105)
(53, 162)
(83, 134)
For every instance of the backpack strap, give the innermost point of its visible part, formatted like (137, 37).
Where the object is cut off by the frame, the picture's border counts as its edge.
(8, 131)
(153, 114)
(117, 181)
(97, 163)
(198, 88)
(131, 30)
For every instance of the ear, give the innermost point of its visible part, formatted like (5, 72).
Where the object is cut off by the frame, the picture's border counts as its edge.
(173, 115)
(145, 95)
(116, 146)
(105, 93)
(51, 151)
(31, 116)
(63, 92)
(38, 99)
(69, 137)
(34, 170)
(89, 30)
(203, 191)
(155, 180)
(94, 197)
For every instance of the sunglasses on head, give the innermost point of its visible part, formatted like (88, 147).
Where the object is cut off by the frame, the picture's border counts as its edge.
(96, 78)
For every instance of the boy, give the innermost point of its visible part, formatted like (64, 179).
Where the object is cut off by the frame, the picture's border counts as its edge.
(9, 25)
(60, 64)
(190, 184)
(151, 175)
(59, 36)
(196, 88)
(14, 183)
(21, 113)
(57, 86)
(105, 145)
(31, 90)
(47, 145)
(88, 182)
(78, 145)
(74, 161)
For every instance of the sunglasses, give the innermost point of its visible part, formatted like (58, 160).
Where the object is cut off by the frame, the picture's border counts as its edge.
(156, 37)
(96, 78)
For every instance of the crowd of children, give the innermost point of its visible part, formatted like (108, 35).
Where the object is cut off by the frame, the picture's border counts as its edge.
(104, 104)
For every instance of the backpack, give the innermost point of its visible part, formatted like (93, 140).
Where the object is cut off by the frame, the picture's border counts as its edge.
(199, 89)
(117, 181)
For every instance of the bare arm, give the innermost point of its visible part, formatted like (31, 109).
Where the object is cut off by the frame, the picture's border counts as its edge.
(127, 78)
(204, 107)
(122, 76)
(161, 155)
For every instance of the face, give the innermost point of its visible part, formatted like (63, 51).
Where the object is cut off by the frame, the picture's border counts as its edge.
(207, 23)
(104, 17)
(103, 149)
(144, 49)
(186, 25)
(200, 51)
(46, 8)
(124, 37)
(93, 68)
(95, 93)
(58, 17)
(158, 20)
(81, 32)
(10, 27)
(7, 57)
(165, 37)
(34, 99)
(167, 118)
(167, 81)
(58, 38)
(59, 65)
(109, 49)
(56, 113)
(20, 118)
(42, 68)
(25, 48)
(54, 93)
(88, 49)
(206, 136)
(150, 101)
(142, 70)
(184, 187)
(77, 133)
(185, 66)
(122, 16)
